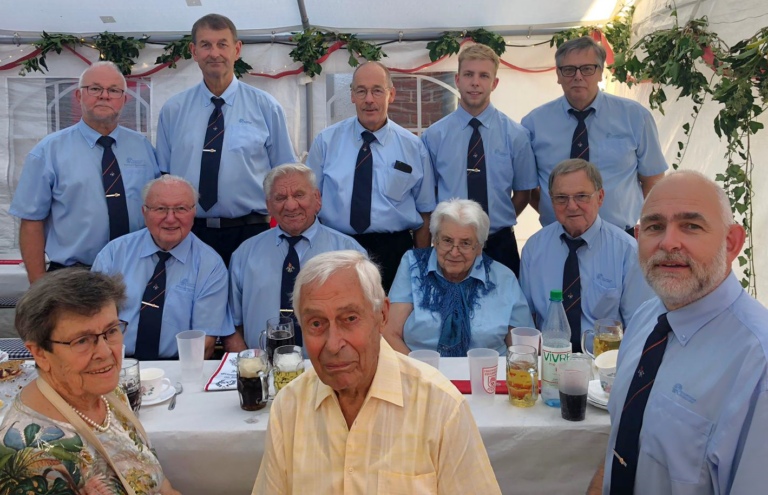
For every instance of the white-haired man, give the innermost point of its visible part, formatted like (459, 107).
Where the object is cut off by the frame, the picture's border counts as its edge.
(81, 186)
(174, 282)
(365, 419)
(278, 254)
(689, 406)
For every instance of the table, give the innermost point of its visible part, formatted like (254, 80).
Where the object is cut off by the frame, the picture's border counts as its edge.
(209, 445)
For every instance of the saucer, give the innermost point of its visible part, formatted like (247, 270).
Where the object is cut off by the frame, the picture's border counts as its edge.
(157, 399)
(596, 394)
(597, 405)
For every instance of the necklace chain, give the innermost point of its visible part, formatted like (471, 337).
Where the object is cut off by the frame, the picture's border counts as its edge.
(99, 427)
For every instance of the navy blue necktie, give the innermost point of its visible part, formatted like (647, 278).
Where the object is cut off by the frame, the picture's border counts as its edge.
(626, 452)
(572, 290)
(580, 142)
(477, 182)
(211, 160)
(291, 267)
(117, 207)
(360, 209)
(151, 313)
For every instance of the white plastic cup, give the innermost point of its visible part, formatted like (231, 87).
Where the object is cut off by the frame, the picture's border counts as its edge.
(526, 336)
(432, 358)
(191, 354)
(606, 369)
(483, 368)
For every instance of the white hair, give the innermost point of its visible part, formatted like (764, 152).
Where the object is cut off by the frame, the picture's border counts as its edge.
(726, 214)
(102, 63)
(318, 269)
(463, 212)
(288, 169)
(168, 180)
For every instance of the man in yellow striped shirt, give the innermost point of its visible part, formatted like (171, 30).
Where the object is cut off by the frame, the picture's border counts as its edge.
(365, 419)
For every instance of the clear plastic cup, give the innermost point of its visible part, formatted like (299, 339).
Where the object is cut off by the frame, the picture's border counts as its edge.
(191, 354)
(483, 369)
(573, 382)
(526, 336)
(432, 358)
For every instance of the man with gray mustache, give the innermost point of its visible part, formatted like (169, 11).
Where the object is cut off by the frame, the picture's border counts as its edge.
(690, 401)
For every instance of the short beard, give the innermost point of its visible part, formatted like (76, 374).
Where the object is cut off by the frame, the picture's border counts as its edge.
(676, 291)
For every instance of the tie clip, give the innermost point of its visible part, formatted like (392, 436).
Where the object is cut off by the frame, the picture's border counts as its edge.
(116, 195)
(286, 311)
(210, 150)
(473, 170)
(150, 304)
(621, 461)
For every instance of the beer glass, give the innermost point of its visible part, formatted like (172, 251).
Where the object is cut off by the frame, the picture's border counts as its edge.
(607, 336)
(253, 379)
(130, 382)
(289, 364)
(522, 375)
(279, 332)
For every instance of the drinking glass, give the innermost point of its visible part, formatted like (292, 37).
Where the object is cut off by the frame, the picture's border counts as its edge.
(279, 332)
(130, 382)
(607, 336)
(191, 345)
(526, 336)
(432, 358)
(289, 364)
(483, 368)
(253, 379)
(573, 381)
(522, 375)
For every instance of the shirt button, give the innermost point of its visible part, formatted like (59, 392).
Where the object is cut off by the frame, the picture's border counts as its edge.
(351, 469)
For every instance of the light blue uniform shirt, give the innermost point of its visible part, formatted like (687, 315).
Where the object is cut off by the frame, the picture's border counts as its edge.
(502, 308)
(623, 143)
(195, 287)
(509, 160)
(255, 140)
(612, 283)
(396, 198)
(256, 273)
(61, 184)
(705, 427)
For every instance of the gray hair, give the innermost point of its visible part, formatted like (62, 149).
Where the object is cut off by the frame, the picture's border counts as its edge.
(574, 165)
(463, 212)
(379, 64)
(579, 44)
(318, 269)
(71, 291)
(288, 169)
(169, 180)
(102, 63)
(726, 213)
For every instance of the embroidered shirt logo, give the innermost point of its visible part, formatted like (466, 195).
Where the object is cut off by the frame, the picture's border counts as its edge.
(677, 389)
(243, 121)
(186, 285)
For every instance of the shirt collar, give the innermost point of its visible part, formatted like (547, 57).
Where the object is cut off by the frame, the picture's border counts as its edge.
(91, 135)
(180, 252)
(590, 236)
(228, 94)
(596, 104)
(386, 385)
(308, 234)
(477, 272)
(687, 321)
(484, 117)
(381, 135)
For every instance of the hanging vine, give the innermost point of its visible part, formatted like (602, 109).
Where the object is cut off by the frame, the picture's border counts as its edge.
(47, 43)
(119, 50)
(175, 51)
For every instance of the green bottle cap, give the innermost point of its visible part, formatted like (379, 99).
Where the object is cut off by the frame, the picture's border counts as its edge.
(556, 295)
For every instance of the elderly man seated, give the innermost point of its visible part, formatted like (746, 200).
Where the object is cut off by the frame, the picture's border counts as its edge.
(274, 258)
(365, 419)
(174, 281)
(594, 262)
(452, 297)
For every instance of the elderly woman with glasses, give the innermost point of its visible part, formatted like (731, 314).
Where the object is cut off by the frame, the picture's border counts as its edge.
(451, 298)
(71, 430)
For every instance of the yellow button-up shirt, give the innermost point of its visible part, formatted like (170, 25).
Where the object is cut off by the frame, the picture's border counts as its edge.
(413, 435)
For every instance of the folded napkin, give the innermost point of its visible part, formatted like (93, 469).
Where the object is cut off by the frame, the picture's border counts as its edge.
(225, 376)
(15, 349)
(466, 389)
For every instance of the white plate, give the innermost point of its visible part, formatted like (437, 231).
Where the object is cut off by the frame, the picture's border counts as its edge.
(164, 396)
(596, 393)
(599, 406)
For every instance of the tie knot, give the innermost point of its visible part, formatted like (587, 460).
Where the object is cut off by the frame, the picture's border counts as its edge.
(163, 255)
(368, 137)
(581, 116)
(106, 141)
(292, 240)
(475, 123)
(219, 102)
(573, 244)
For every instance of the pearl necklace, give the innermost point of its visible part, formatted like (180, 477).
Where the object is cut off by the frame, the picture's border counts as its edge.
(99, 427)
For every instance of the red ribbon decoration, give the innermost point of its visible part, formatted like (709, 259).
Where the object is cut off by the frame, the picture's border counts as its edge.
(12, 65)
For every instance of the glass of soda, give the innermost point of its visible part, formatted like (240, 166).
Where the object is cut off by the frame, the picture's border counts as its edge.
(573, 380)
(130, 382)
(253, 379)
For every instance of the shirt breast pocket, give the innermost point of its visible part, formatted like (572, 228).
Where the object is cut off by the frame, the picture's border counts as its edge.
(244, 138)
(396, 184)
(177, 308)
(675, 437)
(618, 153)
(603, 301)
(404, 484)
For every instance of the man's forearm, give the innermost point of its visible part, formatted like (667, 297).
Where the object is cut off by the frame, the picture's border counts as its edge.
(235, 342)
(421, 238)
(32, 247)
(520, 200)
(596, 485)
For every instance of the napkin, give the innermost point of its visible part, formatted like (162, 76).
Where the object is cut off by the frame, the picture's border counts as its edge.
(466, 389)
(225, 376)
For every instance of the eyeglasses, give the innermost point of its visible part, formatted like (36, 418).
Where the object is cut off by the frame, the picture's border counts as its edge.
(563, 199)
(570, 70)
(446, 244)
(87, 343)
(162, 211)
(378, 93)
(113, 93)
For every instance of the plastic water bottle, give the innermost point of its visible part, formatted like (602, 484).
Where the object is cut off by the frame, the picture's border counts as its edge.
(555, 348)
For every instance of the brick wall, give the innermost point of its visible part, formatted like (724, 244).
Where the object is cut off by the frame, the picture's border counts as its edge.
(436, 101)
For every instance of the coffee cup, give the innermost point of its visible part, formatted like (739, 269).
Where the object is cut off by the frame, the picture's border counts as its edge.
(153, 382)
(606, 369)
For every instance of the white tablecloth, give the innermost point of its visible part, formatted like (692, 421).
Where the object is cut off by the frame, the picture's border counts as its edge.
(208, 445)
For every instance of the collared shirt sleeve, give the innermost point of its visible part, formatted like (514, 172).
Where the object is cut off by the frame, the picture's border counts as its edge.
(748, 470)
(525, 275)
(424, 193)
(523, 162)
(278, 144)
(650, 158)
(33, 196)
(236, 286)
(635, 290)
(401, 290)
(104, 261)
(163, 149)
(211, 311)
(316, 159)
(272, 477)
(463, 465)
(521, 313)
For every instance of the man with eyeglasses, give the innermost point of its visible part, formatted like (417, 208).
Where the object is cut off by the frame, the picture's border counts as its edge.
(375, 177)
(174, 281)
(223, 136)
(592, 261)
(618, 135)
(81, 186)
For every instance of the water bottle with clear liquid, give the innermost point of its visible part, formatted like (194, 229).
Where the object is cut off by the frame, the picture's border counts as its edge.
(555, 348)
